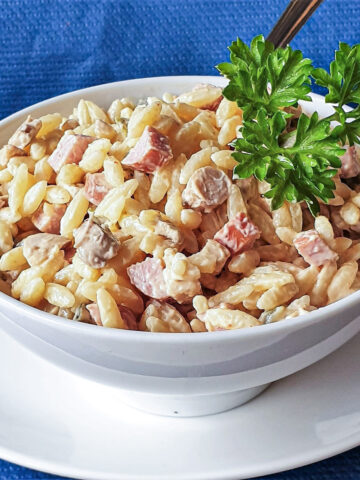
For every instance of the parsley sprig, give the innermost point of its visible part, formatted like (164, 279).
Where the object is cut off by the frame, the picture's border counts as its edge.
(297, 173)
(261, 76)
(264, 81)
(343, 85)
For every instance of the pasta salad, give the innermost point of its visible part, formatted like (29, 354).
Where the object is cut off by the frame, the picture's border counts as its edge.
(130, 218)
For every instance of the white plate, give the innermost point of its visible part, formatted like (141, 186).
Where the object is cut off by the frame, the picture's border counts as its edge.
(57, 422)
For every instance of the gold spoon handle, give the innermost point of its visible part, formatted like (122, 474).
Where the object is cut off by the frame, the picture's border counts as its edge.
(294, 17)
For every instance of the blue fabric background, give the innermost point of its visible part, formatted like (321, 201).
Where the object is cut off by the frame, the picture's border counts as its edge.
(49, 47)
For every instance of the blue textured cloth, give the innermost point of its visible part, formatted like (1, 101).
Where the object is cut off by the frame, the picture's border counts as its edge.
(49, 47)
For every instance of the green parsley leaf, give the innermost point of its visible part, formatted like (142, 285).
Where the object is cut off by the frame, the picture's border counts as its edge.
(302, 172)
(263, 81)
(343, 85)
(263, 77)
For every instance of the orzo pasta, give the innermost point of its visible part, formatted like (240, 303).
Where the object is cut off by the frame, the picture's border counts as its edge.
(130, 218)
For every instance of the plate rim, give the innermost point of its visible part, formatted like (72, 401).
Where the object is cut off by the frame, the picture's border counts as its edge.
(300, 459)
(52, 468)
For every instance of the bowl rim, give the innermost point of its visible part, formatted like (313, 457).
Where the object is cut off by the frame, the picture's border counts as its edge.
(280, 327)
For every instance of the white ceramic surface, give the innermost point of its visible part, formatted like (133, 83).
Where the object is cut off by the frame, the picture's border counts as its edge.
(180, 374)
(57, 422)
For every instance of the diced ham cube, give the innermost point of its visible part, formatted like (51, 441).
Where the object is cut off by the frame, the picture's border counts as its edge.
(148, 277)
(206, 189)
(238, 234)
(69, 254)
(151, 152)
(350, 166)
(126, 314)
(96, 187)
(47, 217)
(70, 149)
(313, 249)
(94, 313)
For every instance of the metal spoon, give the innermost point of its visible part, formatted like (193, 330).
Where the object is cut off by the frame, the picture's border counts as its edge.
(294, 17)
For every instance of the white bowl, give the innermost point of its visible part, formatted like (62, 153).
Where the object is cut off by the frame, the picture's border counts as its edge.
(182, 374)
